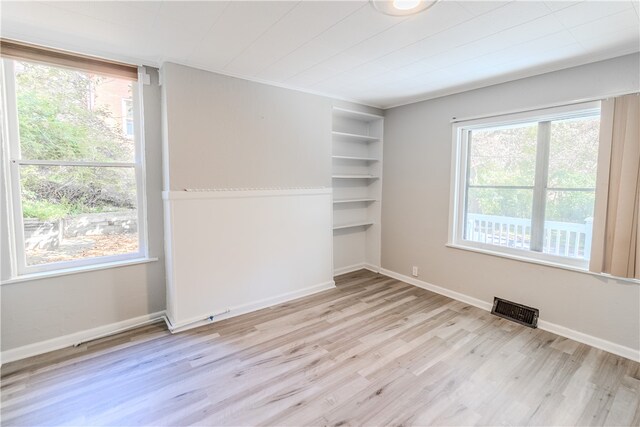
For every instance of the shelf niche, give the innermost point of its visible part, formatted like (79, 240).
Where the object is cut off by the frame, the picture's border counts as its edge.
(357, 189)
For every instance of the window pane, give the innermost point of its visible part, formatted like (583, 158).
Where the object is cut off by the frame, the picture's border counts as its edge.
(65, 114)
(573, 153)
(127, 105)
(573, 157)
(568, 223)
(499, 216)
(503, 156)
(78, 212)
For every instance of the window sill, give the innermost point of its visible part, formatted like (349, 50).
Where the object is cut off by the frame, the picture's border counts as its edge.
(76, 270)
(541, 262)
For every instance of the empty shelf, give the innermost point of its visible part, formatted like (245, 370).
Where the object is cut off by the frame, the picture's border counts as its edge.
(354, 176)
(364, 159)
(353, 201)
(355, 137)
(352, 225)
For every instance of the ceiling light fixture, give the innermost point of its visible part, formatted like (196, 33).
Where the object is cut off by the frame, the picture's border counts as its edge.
(405, 4)
(402, 7)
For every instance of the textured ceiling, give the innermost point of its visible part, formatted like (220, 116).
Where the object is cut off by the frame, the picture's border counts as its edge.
(344, 49)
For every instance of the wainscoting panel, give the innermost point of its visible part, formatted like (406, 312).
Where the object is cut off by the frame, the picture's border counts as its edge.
(234, 248)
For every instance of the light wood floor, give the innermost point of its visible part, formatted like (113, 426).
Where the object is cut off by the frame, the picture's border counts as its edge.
(374, 351)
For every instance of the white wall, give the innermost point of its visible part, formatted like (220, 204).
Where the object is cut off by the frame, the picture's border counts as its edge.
(415, 211)
(244, 250)
(45, 309)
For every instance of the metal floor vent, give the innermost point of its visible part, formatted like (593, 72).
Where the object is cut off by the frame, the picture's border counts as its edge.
(519, 313)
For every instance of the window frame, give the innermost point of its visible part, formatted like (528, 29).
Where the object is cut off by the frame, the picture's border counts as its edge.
(12, 161)
(460, 173)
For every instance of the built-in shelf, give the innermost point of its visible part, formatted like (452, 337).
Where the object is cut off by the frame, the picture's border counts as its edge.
(356, 163)
(357, 115)
(355, 137)
(354, 201)
(364, 159)
(353, 225)
(354, 177)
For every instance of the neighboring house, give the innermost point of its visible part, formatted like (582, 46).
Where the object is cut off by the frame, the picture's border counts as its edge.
(116, 95)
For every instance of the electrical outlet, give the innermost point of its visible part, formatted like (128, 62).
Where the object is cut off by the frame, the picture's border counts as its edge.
(414, 271)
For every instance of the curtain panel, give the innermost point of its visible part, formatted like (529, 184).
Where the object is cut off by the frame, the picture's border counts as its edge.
(616, 235)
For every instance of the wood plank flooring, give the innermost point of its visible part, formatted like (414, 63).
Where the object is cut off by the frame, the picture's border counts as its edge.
(373, 351)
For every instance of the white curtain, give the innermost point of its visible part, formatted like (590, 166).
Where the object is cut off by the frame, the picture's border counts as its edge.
(616, 235)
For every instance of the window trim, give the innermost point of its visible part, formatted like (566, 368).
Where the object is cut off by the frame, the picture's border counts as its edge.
(459, 174)
(76, 270)
(551, 264)
(11, 164)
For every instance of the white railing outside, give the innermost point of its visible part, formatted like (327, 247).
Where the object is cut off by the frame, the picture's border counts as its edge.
(560, 238)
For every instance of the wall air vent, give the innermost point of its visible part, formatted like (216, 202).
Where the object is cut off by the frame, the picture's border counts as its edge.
(519, 313)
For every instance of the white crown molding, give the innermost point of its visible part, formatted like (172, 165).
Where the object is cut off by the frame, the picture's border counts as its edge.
(159, 63)
(281, 85)
(507, 78)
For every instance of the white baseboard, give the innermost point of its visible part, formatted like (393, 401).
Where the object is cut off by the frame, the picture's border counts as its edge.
(46, 346)
(596, 342)
(356, 267)
(250, 307)
(90, 334)
(58, 343)
(581, 337)
(438, 289)
(371, 267)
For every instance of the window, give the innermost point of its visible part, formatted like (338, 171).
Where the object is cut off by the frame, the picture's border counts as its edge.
(76, 180)
(525, 184)
(127, 117)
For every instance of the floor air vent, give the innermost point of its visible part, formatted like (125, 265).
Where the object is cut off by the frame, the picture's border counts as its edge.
(519, 313)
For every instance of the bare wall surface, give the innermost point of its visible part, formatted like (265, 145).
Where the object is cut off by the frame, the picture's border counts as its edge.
(43, 309)
(415, 212)
(225, 132)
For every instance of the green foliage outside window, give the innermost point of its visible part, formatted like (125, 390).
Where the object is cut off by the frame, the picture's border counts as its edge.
(59, 119)
(507, 157)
